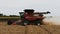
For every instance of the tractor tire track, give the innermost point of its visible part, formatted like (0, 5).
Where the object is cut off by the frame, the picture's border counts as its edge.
(54, 29)
(29, 29)
(40, 30)
(25, 29)
(45, 29)
(36, 29)
(32, 29)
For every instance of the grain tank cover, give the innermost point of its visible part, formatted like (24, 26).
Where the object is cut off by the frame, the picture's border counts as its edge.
(28, 10)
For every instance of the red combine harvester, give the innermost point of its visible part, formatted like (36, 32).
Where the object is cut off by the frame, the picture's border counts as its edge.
(29, 17)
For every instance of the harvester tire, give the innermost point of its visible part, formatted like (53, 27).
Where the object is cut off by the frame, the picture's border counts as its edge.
(38, 24)
(9, 22)
(25, 24)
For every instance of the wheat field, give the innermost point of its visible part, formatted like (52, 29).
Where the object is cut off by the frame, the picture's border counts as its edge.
(29, 29)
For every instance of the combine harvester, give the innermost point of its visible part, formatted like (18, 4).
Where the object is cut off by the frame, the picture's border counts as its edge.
(29, 17)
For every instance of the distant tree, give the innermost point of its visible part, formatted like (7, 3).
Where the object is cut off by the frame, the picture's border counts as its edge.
(13, 15)
(1, 14)
(5, 15)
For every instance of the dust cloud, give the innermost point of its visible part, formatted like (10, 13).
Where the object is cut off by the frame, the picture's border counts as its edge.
(55, 20)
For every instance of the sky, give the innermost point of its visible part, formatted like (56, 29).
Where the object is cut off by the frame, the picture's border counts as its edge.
(13, 7)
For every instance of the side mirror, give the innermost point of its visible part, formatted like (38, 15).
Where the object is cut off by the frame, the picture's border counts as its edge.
(21, 12)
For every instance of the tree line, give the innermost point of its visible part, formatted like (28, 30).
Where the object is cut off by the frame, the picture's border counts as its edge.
(1, 15)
